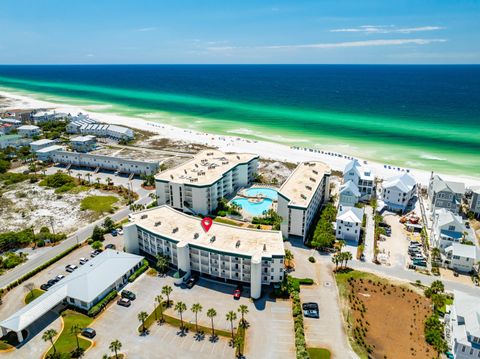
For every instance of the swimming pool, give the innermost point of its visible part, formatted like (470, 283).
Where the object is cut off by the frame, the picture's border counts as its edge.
(256, 208)
(266, 192)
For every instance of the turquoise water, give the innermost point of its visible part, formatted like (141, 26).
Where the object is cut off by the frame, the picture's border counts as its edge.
(424, 117)
(265, 192)
(255, 209)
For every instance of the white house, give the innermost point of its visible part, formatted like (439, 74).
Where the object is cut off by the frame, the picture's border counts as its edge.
(11, 121)
(445, 194)
(349, 194)
(462, 257)
(462, 326)
(475, 201)
(29, 131)
(83, 288)
(349, 223)
(45, 154)
(398, 192)
(301, 196)
(83, 143)
(39, 144)
(226, 253)
(13, 141)
(78, 121)
(447, 228)
(198, 184)
(361, 176)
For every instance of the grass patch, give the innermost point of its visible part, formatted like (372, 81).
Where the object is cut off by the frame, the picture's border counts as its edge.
(78, 189)
(34, 294)
(443, 310)
(10, 340)
(66, 341)
(318, 353)
(98, 203)
(227, 221)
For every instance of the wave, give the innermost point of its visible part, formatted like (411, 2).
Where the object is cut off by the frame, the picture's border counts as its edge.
(427, 156)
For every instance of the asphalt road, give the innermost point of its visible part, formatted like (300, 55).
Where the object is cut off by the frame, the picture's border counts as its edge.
(78, 237)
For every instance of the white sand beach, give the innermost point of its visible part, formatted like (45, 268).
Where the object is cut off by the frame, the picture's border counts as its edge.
(268, 150)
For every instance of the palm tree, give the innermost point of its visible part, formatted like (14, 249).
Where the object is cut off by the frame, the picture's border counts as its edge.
(167, 290)
(243, 309)
(162, 263)
(115, 346)
(75, 330)
(159, 300)
(142, 316)
(238, 342)
(347, 256)
(288, 257)
(88, 175)
(435, 253)
(231, 316)
(196, 308)
(98, 180)
(336, 259)
(211, 313)
(180, 307)
(108, 180)
(48, 335)
(341, 244)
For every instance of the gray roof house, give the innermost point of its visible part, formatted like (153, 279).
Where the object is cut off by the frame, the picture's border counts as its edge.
(445, 194)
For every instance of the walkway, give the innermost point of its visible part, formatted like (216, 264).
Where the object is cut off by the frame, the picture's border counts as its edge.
(369, 250)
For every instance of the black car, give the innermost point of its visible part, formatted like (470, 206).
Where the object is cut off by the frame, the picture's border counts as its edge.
(89, 332)
(127, 294)
(45, 286)
(52, 282)
(313, 306)
(110, 246)
(191, 281)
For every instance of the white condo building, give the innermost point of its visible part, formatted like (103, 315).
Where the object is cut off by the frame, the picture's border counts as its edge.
(301, 196)
(462, 326)
(361, 176)
(227, 253)
(398, 191)
(197, 185)
(349, 223)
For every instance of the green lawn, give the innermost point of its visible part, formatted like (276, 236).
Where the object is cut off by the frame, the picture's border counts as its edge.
(66, 342)
(99, 203)
(227, 221)
(34, 294)
(448, 301)
(318, 353)
(10, 340)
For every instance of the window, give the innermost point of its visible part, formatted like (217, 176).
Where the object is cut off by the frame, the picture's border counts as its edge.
(265, 278)
(271, 277)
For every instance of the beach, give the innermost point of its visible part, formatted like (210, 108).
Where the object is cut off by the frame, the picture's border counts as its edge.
(267, 150)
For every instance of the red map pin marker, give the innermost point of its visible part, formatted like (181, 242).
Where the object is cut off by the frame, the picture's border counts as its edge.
(206, 223)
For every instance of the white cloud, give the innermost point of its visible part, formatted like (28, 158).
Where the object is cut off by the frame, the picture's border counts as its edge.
(146, 29)
(387, 29)
(331, 45)
(90, 55)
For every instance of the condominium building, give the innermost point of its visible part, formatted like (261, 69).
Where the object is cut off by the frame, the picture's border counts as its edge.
(398, 192)
(445, 194)
(104, 130)
(301, 196)
(197, 185)
(462, 326)
(45, 154)
(39, 144)
(361, 176)
(227, 253)
(83, 143)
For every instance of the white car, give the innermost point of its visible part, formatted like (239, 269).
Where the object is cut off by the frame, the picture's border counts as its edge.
(120, 231)
(83, 260)
(60, 277)
(70, 268)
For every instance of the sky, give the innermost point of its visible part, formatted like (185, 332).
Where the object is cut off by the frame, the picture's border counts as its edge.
(240, 32)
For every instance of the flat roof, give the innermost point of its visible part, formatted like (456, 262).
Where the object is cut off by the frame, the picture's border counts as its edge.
(42, 142)
(181, 227)
(82, 138)
(29, 127)
(85, 284)
(300, 187)
(206, 167)
(50, 149)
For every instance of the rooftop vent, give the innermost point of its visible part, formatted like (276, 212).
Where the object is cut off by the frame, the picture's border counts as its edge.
(175, 230)
(212, 239)
(309, 187)
(315, 171)
(313, 179)
(143, 216)
(195, 236)
(303, 196)
(238, 157)
(158, 223)
(237, 244)
(185, 171)
(171, 176)
(264, 247)
(196, 165)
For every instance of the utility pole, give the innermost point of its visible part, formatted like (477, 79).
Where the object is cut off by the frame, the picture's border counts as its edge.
(51, 224)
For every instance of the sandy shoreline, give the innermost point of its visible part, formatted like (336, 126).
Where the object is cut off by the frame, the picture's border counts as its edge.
(265, 149)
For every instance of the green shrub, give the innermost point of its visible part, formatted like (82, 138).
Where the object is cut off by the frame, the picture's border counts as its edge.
(311, 259)
(139, 271)
(102, 304)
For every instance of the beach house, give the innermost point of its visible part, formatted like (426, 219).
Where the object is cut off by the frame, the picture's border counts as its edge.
(361, 176)
(83, 143)
(197, 185)
(445, 194)
(462, 326)
(447, 228)
(225, 253)
(348, 194)
(462, 257)
(474, 203)
(301, 196)
(398, 192)
(349, 223)
(15, 141)
(45, 154)
(29, 131)
(39, 144)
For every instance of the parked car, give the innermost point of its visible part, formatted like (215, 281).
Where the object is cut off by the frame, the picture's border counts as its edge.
(124, 302)
(83, 260)
(52, 282)
(45, 287)
(128, 294)
(310, 305)
(114, 232)
(70, 268)
(95, 253)
(89, 332)
(237, 294)
(191, 281)
(110, 246)
(120, 231)
(59, 277)
(311, 313)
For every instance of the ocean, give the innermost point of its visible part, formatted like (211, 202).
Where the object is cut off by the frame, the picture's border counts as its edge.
(425, 117)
